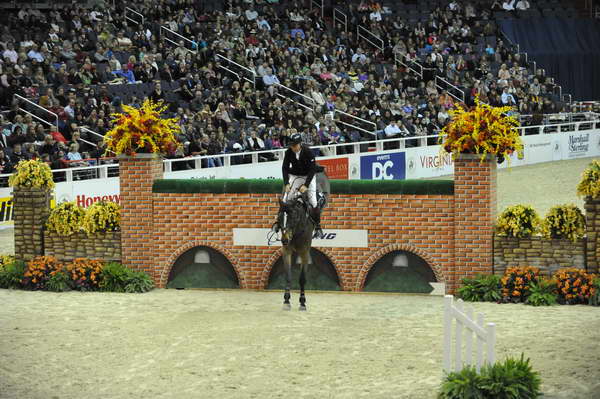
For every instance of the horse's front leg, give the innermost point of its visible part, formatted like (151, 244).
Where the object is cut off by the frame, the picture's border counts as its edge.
(287, 262)
(305, 259)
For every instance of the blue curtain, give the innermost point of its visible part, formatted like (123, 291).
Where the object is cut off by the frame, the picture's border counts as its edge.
(568, 49)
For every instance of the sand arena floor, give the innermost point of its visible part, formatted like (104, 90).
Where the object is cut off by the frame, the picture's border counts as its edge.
(239, 344)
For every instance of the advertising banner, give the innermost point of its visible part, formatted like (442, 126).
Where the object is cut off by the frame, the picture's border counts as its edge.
(6, 212)
(383, 166)
(330, 238)
(336, 168)
(265, 170)
(579, 145)
(86, 192)
(428, 162)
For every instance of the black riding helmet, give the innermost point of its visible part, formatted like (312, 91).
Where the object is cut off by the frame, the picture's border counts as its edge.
(295, 138)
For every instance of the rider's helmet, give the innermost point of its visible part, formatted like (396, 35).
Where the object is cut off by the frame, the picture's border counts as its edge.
(295, 138)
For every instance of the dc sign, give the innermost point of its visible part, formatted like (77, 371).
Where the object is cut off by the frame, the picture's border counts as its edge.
(383, 167)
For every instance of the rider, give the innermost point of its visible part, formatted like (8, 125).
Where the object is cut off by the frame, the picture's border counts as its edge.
(299, 168)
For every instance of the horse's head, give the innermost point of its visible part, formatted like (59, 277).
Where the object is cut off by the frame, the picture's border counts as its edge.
(292, 223)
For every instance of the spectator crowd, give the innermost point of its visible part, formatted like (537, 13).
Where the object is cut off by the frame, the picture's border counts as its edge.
(244, 75)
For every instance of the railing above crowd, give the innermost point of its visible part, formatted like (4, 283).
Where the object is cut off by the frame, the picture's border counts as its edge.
(99, 168)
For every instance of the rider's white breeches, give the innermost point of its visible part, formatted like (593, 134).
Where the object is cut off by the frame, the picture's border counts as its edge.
(296, 182)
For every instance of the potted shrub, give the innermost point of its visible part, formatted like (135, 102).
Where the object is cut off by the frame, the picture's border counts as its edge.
(589, 185)
(518, 221)
(564, 221)
(32, 175)
(65, 219)
(102, 216)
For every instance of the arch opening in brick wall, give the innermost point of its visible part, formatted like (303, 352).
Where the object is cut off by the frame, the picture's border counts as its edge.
(202, 266)
(321, 273)
(399, 268)
(400, 271)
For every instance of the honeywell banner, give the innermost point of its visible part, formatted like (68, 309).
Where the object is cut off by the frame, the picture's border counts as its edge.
(330, 238)
(86, 192)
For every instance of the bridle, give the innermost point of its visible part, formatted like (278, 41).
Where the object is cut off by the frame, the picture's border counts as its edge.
(292, 218)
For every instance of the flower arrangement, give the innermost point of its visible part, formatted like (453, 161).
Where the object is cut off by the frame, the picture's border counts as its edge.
(85, 273)
(39, 270)
(589, 186)
(481, 130)
(518, 221)
(516, 283)
(574, 286)
(32, 174)
(65, 219)
(564, 221)
(102, 216)
(142, 130)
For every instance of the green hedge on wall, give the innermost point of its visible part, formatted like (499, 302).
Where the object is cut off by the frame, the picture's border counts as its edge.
(268, 186)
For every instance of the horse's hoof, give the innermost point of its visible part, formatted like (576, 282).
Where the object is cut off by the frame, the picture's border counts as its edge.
(302, 308)
(287, 306)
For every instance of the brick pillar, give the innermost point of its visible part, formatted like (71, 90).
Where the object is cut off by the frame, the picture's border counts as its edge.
(592, 222)
(475, 216)
(136, 176)
(31, 207)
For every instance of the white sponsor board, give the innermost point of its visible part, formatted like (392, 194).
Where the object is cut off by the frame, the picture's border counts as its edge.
(580, 145)
(330, 238)
(265, 170)
(428, 162)
(86, 192)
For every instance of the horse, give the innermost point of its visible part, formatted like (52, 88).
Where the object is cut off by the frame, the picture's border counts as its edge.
(297, 230)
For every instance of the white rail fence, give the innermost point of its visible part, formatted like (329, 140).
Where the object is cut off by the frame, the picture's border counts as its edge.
(39, 108)
(241, 70)
(133, 16)
(456, 92)
(171, 36)
(339, 17)
(361, 147)
(370, 37)
(467, 326)
(409, 64)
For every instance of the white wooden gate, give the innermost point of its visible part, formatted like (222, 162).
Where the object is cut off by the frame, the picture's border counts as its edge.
(466, 325)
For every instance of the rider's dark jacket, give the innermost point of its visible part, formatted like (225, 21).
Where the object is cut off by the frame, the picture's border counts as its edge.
(305, 166)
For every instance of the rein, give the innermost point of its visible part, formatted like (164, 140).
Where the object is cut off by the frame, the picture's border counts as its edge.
(273, 237)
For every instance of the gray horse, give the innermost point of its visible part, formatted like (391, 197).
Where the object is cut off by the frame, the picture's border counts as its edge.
(297, 230)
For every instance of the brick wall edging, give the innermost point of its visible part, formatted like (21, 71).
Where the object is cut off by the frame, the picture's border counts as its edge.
(168, 264)
(381, 252)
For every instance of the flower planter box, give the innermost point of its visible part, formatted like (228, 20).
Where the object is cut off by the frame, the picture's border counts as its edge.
(102, 246)
(547, 254)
